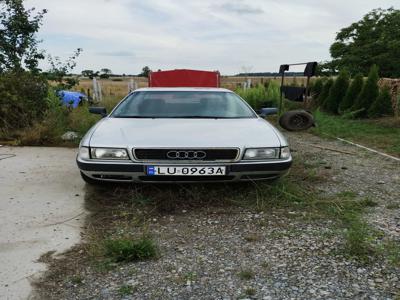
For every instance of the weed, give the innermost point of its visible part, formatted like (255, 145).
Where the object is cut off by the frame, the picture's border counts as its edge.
(252, 237)
(126, 249)
(393, 205)
(250, 291)
(125, 290)
(246, 274)
(358, 238)
(76, 279)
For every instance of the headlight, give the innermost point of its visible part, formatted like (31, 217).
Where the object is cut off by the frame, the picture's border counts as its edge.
(84, 153)
(262, 153)
(105, 153)
(285, 152)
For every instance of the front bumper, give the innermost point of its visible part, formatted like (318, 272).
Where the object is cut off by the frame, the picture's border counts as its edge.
(135, 172)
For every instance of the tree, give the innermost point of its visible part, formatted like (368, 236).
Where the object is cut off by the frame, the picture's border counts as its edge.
(18, 43)
(105, 73)
(373, 40)
(352, 93)
(145, 72)
(337, 92)
(60, 70)
(382, 106)
(369, 92)
(325, 92)
(89, 73)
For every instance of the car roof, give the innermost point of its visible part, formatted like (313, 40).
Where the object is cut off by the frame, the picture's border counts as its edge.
(182, 89)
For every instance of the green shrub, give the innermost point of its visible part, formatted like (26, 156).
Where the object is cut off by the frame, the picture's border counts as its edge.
(22, 100)
(382, 106)
(317, 87)
(352, 93)
(126, 249)
(369, 92)
(337, 92)
(325, 92)
(49, 130)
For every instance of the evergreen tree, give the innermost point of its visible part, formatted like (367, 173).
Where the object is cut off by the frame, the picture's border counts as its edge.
(337, 92)
(317, 87)
(325, 92)
(382, 106)
(352, 93)
(369, 92)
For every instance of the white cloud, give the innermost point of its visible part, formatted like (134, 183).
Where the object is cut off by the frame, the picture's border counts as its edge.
(125, 35)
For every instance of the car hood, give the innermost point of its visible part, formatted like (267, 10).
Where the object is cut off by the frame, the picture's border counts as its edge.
(175, 133)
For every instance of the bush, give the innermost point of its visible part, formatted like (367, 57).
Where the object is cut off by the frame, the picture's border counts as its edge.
(325, 92)
(22, 100)
(382, 105)
(49, 130)
(352, 93)
(369, 92)
(337, 92)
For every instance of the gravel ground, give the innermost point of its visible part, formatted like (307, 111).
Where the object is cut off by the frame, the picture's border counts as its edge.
(218, 252)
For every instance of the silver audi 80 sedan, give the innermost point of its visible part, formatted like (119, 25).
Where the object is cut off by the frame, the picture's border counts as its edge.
(180, 135)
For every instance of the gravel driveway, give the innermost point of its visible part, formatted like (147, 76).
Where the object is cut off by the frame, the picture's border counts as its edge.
(219, 251)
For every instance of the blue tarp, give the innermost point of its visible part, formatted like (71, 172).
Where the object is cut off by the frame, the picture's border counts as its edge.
(71, 99)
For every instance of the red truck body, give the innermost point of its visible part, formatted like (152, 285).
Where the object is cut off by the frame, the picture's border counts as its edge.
(184, 78)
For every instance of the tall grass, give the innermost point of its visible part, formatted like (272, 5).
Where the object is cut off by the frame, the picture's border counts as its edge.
(260, 96)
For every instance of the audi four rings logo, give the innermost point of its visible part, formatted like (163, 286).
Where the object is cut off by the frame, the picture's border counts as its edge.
(186, 155)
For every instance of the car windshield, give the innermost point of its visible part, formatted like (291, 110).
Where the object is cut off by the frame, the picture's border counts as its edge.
(183, 104)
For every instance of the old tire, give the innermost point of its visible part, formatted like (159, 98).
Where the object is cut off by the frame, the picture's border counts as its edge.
(296, 120)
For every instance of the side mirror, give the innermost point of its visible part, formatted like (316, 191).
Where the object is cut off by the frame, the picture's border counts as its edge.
(267, 111)
(98, 110)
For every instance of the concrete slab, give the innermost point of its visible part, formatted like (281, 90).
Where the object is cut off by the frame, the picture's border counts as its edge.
(41, 210)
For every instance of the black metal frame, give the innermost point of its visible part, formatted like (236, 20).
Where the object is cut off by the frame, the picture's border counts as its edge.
(285, 67)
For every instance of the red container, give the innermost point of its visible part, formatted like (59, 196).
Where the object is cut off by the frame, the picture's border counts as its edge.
(184, 78)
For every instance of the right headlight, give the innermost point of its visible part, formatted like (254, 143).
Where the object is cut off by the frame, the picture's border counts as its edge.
(285, 153)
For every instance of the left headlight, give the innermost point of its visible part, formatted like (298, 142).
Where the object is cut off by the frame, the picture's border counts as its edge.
(108, 153)
(262, 153)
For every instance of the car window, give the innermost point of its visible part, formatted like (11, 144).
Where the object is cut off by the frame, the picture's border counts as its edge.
(183, 104)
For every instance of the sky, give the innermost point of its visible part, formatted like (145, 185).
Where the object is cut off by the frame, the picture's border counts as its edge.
(231, 36)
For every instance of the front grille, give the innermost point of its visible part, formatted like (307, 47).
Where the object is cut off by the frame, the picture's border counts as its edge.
(186, 154)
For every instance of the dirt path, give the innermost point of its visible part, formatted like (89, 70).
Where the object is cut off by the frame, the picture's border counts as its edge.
(211, 249)
(41, 197)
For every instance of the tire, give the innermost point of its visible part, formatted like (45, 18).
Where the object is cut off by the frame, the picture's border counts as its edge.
(296, 120)
(91, 181)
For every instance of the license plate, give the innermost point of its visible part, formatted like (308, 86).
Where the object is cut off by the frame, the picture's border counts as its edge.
(185, 171)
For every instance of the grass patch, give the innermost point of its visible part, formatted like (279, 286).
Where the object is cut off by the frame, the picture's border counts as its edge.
(382, 134)
(125, 290)
(246, 274)
(126, 249)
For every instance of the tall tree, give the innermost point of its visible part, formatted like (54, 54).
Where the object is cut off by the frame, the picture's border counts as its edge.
(375, 39)
(337, 92)
(369, 92)
(352, 93)
(18, 42)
